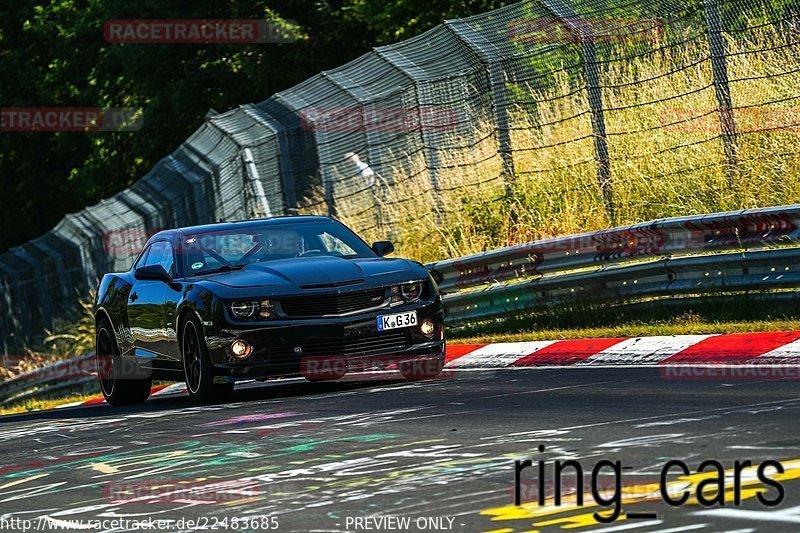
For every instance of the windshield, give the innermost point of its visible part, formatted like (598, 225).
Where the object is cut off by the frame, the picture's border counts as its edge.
(235, 248)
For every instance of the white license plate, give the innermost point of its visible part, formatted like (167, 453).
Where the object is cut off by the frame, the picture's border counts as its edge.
(400, 320)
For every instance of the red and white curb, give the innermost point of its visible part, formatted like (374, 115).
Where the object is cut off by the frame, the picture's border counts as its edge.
(766, 349)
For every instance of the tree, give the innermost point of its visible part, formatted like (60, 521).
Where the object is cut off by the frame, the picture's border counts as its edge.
(54, 55)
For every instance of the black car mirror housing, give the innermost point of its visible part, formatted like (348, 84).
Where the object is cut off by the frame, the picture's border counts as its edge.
(152, 272)
(382, 248)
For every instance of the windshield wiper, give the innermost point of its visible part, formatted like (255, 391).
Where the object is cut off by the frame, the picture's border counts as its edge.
(223, 268)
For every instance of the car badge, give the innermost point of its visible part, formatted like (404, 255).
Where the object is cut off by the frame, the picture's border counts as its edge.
(298, 350)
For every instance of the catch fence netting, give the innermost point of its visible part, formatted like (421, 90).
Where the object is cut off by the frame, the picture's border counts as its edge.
(544, 117)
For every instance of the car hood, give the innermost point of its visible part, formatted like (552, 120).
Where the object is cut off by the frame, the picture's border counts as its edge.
(309, 272)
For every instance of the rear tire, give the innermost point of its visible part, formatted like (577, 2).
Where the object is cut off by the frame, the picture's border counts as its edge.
(117, 388)
(198, 368)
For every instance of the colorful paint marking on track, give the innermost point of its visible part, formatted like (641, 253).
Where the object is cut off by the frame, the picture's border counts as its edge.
(315, 455)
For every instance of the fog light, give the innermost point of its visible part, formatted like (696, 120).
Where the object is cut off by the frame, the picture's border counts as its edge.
(240, 349)
(428, 327)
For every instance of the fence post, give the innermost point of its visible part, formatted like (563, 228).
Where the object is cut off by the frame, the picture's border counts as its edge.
(719, 69)
(295, 102)
(328, 181)
(287, 172)
(366, 103)
(380, 187)
(283, 153)
(583, 30)
(598, 125)
(251, 170)
(500, 98)
(490, 57)
(424, 100)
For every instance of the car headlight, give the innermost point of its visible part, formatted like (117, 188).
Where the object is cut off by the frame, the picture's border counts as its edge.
(252, 309)
(411, 291)
(408, 292)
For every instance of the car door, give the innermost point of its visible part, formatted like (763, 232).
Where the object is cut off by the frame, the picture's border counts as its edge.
(146, 306)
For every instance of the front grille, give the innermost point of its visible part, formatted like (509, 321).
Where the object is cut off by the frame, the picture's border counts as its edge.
(377, 344)
(332, 304)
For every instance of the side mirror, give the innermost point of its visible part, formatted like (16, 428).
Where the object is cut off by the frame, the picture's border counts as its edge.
(382, 248)
(152, 272)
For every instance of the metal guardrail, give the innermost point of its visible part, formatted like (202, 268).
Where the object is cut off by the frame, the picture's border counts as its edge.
(740, 250)
(63, 374)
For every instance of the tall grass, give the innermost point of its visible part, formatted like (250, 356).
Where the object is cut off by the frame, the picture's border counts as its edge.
(666, 154)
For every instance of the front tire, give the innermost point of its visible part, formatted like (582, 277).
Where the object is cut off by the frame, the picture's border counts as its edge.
(117, 387)
(197, 367)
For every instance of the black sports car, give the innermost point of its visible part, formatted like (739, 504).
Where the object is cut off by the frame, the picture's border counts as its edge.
(284, 296)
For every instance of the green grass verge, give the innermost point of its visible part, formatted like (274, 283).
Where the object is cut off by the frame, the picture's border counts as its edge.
(88, 391)
(676, 316)
(40, 404)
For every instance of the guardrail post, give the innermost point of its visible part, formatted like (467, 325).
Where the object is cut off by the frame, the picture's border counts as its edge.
(719, 69)
(583, 30)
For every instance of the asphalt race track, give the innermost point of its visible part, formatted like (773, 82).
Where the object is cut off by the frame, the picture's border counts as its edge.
(322, 457)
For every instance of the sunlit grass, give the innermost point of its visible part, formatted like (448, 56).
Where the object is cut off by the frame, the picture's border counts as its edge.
(635, 329)
(41, 404)
(669, 316)
(663, 134)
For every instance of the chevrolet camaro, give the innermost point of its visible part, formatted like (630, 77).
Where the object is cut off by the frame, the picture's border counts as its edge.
(287, 296)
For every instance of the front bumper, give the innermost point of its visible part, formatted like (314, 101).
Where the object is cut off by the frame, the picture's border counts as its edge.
(286, 348)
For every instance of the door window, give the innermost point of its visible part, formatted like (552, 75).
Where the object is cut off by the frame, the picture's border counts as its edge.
(161, 254)
(142, 258)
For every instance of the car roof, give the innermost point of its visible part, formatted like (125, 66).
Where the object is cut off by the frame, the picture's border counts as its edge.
(252, 223)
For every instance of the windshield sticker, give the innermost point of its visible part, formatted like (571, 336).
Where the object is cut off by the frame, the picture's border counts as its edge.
(197, 265)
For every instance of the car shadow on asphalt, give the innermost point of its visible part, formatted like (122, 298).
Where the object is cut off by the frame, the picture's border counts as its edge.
(250, 393)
